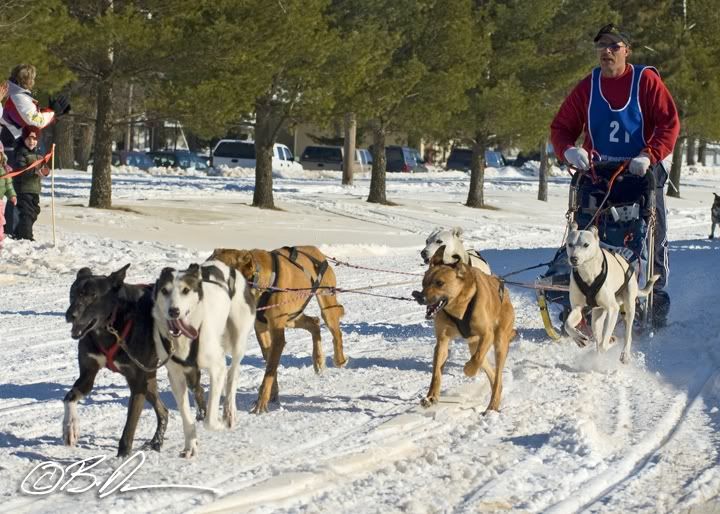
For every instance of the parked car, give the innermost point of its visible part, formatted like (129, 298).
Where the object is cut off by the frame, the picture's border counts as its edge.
(331, 158)
(322, 158)
(403, 159)
(138, 159)
(178, 159)
(235, 153)
(460, 159)
(365, 159)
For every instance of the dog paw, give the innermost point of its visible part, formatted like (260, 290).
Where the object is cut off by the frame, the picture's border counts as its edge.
(582, 342)
(71, 432)
(190, 450)
(200, 415)
(152, 444)
(229, 416)
(624, 358)
(213, 425)
(319, 365)
(259, 408)
(428, 401)
(471, 369)
(341, 364)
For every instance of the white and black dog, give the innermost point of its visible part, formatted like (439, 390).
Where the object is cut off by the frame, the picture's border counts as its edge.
(454, 249)
(603, 281)
(201, 314)
(715, 215)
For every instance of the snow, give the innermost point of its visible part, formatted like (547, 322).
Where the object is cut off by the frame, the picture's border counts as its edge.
(577, 431)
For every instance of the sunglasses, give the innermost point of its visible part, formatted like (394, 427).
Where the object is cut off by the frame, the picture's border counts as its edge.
(613, 47)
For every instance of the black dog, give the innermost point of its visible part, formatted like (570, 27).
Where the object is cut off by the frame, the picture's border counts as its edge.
(113, 323)
(715, 215)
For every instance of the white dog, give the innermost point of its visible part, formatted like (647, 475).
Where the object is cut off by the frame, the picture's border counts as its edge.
(201, 314)
(454, 249)
(604, 281)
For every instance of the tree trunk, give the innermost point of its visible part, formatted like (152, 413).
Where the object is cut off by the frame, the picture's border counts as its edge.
(702, 152)
(377, 177)
(691, 150)
(129, 129)
(101, 188)
(476, 197)
(349, 149)
(543, 172)
(674, 188)
(84, 147)
(63, 139)
(264, 139)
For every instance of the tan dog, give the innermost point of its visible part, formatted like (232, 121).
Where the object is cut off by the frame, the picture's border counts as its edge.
(295, 267)
(465, 302)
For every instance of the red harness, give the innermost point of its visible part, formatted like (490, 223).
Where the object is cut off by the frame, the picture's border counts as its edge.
(115, 347)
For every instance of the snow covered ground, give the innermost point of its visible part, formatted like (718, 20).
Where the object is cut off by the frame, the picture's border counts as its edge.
(577, 432)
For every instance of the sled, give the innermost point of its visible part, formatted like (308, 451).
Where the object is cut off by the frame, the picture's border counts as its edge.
(622, 207)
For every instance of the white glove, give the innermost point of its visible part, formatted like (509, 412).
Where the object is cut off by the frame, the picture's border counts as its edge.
(578, 158)
(640, 164)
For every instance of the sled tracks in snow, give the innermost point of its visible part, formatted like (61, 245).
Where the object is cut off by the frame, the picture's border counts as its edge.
(380, 442)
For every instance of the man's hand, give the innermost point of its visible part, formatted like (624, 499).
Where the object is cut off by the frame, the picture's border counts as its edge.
(60, 105)
(13, 200)
(640, 164)
(577, 158)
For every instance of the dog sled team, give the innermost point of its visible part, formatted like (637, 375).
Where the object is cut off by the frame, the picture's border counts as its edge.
(188, 321)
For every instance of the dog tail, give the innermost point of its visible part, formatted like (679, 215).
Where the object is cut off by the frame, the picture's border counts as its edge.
(642, 293)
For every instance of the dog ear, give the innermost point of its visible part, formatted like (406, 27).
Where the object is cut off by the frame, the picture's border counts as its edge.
(437, 257)
(594, 231)
(245, 264)
(118, 277)
(457, 231)
(193, 269)
(83, 273)
(573, 226)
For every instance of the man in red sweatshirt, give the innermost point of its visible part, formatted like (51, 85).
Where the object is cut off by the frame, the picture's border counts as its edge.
(624, 112)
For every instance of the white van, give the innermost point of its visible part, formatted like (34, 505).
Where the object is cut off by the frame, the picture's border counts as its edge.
(235, 153)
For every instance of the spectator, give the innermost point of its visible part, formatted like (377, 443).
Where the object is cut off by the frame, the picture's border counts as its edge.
(28, 184)
(6, 190)
(21, 110)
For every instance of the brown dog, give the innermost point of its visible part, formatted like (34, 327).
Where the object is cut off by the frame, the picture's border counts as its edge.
(299, 267)
(466, 302)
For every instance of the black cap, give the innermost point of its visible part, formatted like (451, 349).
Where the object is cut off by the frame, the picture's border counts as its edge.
(612, 33)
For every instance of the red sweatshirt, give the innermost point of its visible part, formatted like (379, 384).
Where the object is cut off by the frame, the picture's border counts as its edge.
(661, 122)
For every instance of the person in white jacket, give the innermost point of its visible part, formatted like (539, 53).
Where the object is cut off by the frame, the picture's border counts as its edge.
(22, 110)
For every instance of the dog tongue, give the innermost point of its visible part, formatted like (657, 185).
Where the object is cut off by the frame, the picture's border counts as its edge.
(179, 325)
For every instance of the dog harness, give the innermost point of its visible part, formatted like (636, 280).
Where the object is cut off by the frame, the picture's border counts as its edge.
(114, 348)
(463, 325)
(190, 361)
(214, 275)
(591, 290)
(320, 269)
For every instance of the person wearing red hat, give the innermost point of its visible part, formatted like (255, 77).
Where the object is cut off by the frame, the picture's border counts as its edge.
(28, 184)
(624, 113)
